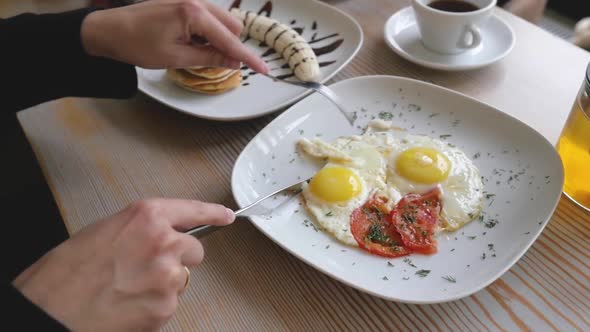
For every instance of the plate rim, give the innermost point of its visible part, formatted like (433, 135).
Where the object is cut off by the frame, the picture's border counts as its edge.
(286, 104)
(458, 295)
(394, 46)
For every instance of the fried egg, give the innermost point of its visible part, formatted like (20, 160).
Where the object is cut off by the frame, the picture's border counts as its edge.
(392, 163)
(417, 164)
(354, 170)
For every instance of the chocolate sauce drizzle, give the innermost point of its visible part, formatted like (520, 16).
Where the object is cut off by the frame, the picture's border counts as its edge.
(236, 4)
(328, 48)
(266, 9)
(319, 51)
(314, 38)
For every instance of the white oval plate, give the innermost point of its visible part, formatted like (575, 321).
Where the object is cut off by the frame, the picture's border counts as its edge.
(520, 166)
(323, 25)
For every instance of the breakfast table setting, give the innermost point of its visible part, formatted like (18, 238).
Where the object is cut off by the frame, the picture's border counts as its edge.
(468, 80)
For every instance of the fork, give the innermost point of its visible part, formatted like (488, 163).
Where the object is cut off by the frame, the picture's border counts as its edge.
(324, 91)
(279, 198)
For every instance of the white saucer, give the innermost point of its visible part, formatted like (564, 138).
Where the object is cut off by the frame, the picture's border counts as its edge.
(402, 35)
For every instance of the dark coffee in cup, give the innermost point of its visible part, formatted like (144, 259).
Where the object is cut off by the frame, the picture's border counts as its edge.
(452, 26)
(455, 6)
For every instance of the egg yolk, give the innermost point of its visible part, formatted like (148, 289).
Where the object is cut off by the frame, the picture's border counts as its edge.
(423, 165)
(335, 184)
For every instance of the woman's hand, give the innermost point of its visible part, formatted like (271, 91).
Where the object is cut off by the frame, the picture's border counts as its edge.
(123, 273)
(157, 34)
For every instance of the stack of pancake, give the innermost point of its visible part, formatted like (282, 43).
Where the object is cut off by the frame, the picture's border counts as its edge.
(208, 80)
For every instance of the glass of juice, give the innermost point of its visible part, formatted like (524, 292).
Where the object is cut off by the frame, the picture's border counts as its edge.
(574, 147)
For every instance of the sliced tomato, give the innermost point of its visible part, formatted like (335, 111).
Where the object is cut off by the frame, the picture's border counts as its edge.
(373, 231)
(416, 218)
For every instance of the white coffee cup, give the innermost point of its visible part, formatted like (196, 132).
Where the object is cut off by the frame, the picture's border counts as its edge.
(451, 32)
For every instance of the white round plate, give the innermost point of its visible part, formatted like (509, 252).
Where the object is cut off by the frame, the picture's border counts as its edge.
(335, 36)
(521, 169)
(403, 37)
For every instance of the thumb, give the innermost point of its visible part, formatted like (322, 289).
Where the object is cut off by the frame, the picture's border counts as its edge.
(188, 56)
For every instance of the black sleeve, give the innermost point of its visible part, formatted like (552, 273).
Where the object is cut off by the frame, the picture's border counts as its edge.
(43, 59)
(35, 319)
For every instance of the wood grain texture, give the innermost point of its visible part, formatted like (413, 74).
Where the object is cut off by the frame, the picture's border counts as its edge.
(99, 155)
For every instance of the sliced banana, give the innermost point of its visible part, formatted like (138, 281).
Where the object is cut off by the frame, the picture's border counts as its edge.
(283, 39)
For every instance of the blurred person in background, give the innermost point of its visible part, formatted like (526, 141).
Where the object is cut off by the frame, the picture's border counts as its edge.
(530, 10)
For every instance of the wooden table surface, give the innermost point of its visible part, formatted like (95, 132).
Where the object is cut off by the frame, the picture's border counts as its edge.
(99, 155)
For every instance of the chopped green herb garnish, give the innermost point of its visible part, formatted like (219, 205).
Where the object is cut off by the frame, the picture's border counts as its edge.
(376, 235)
(450, 279)
(409, 262)
(329, 214)
(389, 264)
(377, 212)
(491, 223)
(415, 107)
(423, 273)
(472, 237)
(406, 278)
(445, 136)
(409, 217)
(385, 278)
(387, 116)
(488, 196)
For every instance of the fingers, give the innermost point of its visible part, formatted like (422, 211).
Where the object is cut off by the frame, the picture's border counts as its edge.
(166, 276)
(233, 24)
(191, 250)
(183, 214)
(188, 56)
(208, 26)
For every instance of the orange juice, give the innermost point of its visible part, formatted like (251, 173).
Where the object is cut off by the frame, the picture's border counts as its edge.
(574, 149)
